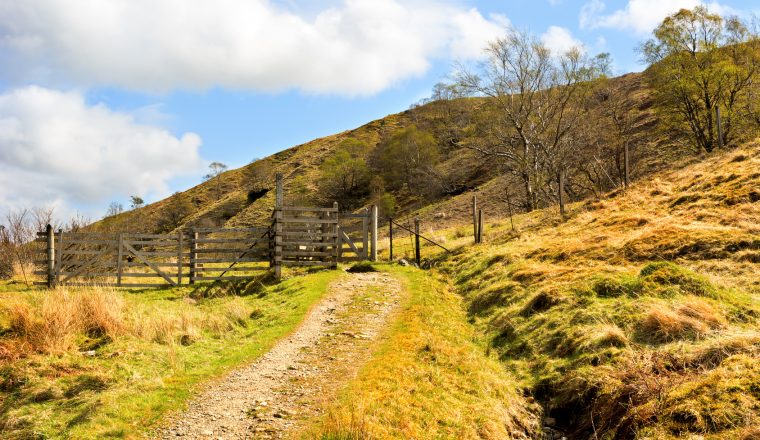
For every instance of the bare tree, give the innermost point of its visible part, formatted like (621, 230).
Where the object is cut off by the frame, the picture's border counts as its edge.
(536, 101)
(114, 208)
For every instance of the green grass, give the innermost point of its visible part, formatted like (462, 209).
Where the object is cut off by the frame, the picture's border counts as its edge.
(132, 382)
(428, 378)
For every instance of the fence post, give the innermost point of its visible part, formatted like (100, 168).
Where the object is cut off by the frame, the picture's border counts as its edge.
(119, 258)
(373, 229)
(278, 243)
(480, 226)
(390, 239)
(193, 255)
(475, 218)
(50, 256)
(417, 241)
(365, 235)
(179, 257)
(59, 258)
(336, 238)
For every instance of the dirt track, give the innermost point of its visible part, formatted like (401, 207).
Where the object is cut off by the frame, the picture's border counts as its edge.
(273, 397)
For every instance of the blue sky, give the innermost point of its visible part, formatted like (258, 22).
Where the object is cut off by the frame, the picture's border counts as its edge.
(102, 100)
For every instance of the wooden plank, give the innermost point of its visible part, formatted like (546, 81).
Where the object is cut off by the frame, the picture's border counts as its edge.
(120, 260)
(246, 240)
(350, 215)
(157, 254)
(225, 278)
(228, 260)
(88, 263)
(144, 260)
(231, 269)
(227, 250)
(345, 238)
(307, 254)
(308, 243)
(310, 220)
(152, 243)
(141, 275)
(91, 274)
(59, 257)
(309, 234)
(129, 237)
(179, 257)
(155, 264)
(306, 263)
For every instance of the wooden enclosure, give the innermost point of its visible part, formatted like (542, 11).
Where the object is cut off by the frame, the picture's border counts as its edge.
(297, 236)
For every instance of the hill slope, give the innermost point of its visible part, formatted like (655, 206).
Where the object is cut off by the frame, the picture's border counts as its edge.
(640, 315)
(242, 196)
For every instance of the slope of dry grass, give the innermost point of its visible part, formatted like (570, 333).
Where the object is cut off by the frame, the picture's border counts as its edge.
(429, 378)
(639, 316)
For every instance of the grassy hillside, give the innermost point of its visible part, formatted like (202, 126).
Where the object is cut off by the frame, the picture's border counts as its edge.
(638, 317)
(97, 363)
(243, 196)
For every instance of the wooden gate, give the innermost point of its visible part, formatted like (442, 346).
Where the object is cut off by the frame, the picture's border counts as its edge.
(151, 260)
(357, 236)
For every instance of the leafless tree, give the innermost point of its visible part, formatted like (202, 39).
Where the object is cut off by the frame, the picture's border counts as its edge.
(536, 100)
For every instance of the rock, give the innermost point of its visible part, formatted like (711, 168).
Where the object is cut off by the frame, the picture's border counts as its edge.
(89, 353)
(403, 262)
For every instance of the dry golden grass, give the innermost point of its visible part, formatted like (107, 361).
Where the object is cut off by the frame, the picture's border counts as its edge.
(57, 321)
(429, 379)
(639, 316)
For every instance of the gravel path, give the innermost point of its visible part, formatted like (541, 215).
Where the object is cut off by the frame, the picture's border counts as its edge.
(274, 396)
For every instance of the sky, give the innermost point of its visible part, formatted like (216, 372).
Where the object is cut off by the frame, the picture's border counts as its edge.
(104, 99)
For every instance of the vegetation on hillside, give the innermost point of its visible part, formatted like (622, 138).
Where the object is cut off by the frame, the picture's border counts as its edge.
(429, 379)
(639, 317)
(102, 363)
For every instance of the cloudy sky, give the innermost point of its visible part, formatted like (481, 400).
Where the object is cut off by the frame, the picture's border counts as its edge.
(103, 99)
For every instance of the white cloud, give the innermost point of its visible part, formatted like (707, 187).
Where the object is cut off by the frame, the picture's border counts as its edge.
(357, 47)
(560, 40)
(640, 16)
(56, 147)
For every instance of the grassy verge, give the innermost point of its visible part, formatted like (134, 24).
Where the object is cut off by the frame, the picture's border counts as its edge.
(638, 316)
(94, 363)
(429, 378)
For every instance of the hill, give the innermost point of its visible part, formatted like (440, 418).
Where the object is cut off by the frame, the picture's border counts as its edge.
(638, 316)
(243, 196)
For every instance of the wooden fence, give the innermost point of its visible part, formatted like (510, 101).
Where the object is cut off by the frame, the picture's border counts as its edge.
(297, 236)
(151, 260)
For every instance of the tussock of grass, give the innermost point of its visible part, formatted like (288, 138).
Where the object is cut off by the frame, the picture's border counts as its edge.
(429, 380)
